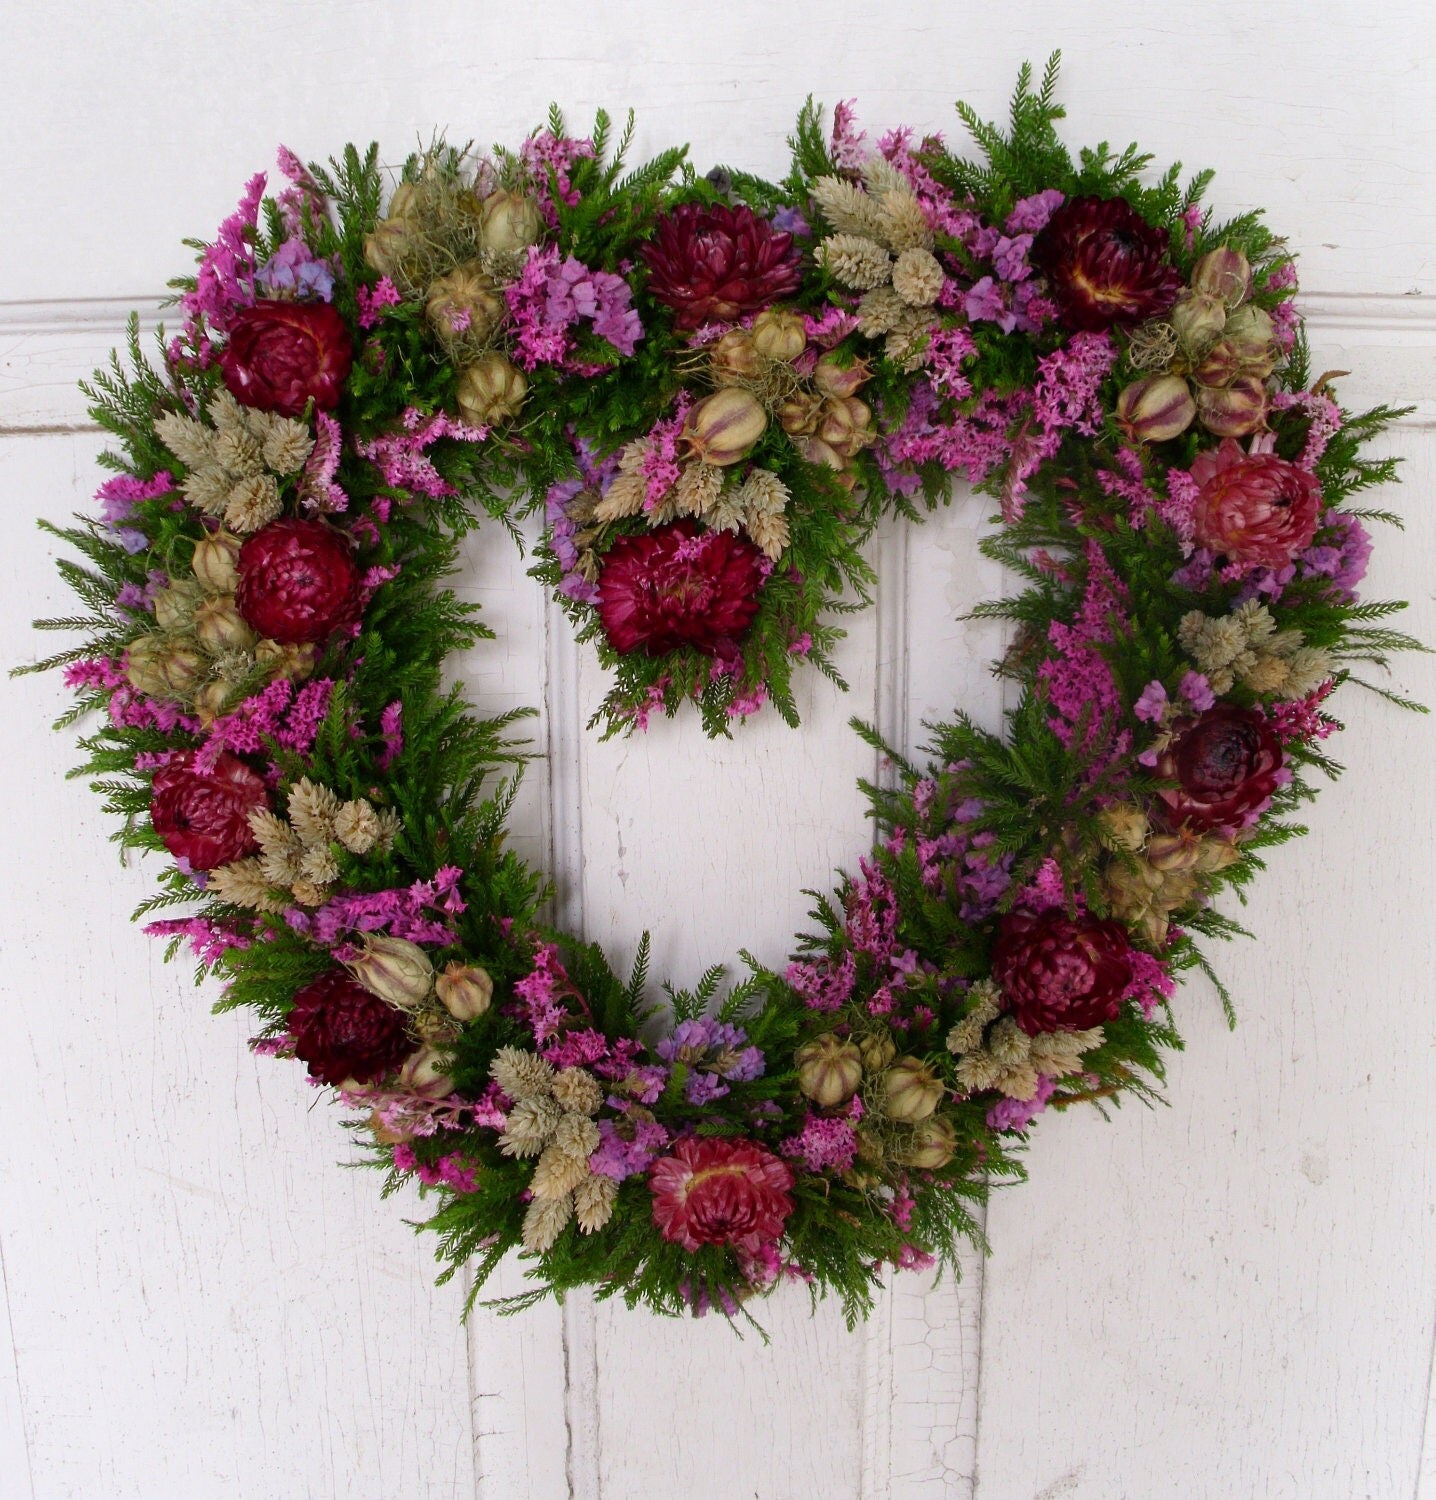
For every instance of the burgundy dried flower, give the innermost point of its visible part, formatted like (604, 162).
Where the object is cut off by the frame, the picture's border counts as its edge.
(712, 264)
(679, 586)
(343, 1031)
(1227, 764)
(1059, 973)
(716, 1191)
(298, 581)
(203, 816)
(282, 355)
(1105, 264)
(1254, 507)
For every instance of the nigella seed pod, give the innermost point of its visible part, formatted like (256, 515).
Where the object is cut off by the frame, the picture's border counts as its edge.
(509, 222)
(182, 669)
(1155, 408)
(465, 990)
(845, 425)
(423, 1074)
(911, 1091)
(464, 306)
(829, 1070)
(397, 971)
(174, 605)
(1251, 334)
(878, 1049)
(1199, 318)
(723, 427)
(779, 334)
(1236, 411)
(216, 561)
(933, 1145)
(835, 379)
(798, 416)
(491, 390)
(1224, 273)
(735, 358)
(219, 627)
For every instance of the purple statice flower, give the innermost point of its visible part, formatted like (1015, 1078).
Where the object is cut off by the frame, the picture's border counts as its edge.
(402, 460)
(119, 496)
(277, 713)
(1151, 705)
(552, 296)
(713, 1051)
(789, 221)
(1343, 560)
(1197, 691)
(1032, 214)
(131, 710)
(823, 1145)
(1009, 257)
(823, 984)
(627, 1148)
(295, 268)
(1128, 481)
(94, 672)
(224, 282)
(1018, 1114)
(984, 302)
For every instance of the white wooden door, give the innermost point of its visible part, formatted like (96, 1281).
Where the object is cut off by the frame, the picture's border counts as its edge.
(1233, 1296)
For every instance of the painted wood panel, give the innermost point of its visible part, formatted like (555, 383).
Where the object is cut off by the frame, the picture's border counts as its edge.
(1233, 1295)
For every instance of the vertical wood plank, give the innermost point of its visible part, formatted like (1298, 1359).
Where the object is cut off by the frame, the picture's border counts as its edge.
(200, 1303)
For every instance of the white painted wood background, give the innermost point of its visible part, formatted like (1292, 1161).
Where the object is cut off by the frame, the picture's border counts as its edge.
(1230, 1297)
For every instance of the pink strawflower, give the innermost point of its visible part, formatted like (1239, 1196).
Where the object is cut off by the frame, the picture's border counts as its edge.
(720, 1191)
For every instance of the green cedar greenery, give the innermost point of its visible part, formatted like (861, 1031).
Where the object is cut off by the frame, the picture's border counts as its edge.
(1040, 797)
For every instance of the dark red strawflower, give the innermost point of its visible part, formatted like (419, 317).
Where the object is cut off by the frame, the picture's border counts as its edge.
(343, 1031)
(718, 1191)
(712, 264)
(1105, 264)
(298, 581)
(1059, 973)
(679, 586)
(1227, 765)
(282, 355)
(1254, 507)
(203, 816)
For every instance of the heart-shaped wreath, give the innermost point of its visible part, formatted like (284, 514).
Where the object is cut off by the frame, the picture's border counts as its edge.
(716, 386)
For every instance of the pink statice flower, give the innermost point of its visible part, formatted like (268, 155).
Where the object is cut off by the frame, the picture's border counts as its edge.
(847, 145)
(823, 983)
(318, 493)
(224, 282)
(550, 160)
(373, 300)
(402, 456)
(823, 1144)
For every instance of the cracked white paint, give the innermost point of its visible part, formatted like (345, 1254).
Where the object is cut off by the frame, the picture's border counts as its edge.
(1233, 1296)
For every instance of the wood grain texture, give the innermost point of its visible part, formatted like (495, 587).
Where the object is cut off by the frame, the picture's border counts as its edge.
(1230, 1296)
(200, 1302)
